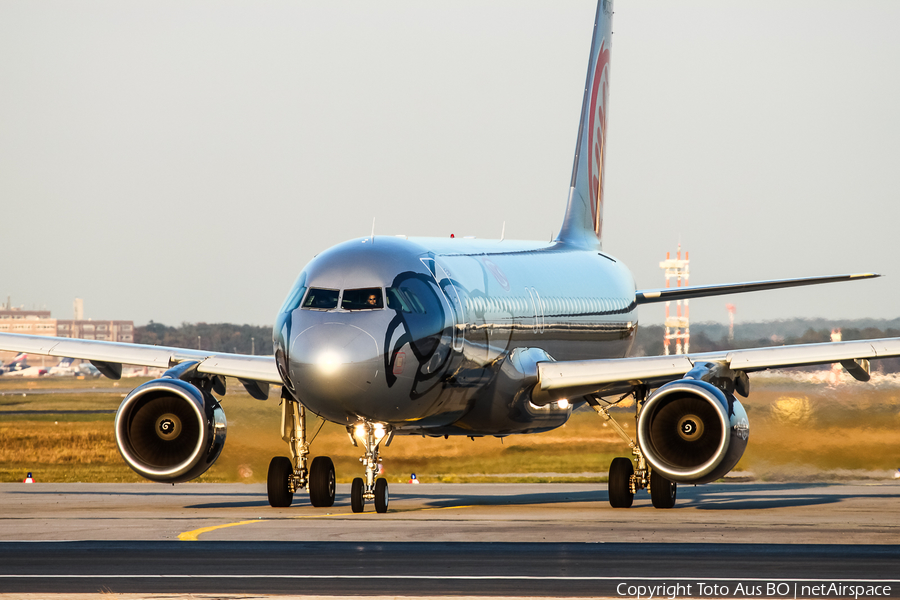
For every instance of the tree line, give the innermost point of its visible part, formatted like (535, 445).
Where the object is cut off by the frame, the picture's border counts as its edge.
(218, 337)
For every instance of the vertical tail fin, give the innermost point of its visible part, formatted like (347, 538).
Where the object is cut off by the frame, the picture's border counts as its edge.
(583, 223)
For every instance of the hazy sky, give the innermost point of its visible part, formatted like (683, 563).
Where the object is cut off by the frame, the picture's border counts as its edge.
(182, 160)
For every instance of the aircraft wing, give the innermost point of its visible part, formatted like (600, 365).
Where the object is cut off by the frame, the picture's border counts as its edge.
(571, 379)
(703, 291)
(110, 356)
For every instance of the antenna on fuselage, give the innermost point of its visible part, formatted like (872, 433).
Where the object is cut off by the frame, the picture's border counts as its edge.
(503, 231)
(373, 230)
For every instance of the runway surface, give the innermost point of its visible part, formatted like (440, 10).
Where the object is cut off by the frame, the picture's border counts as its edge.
(756, 513)
(443, 539)
(426, 568)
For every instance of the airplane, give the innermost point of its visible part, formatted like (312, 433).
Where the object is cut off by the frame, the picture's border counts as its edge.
(19, 368)
(18, 363)
(63, 367)
(86, 370)
(28, 371)
(66, 367)
(392, 336)
(23, 369)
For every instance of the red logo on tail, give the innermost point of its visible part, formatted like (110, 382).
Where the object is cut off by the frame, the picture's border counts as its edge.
(597, 132)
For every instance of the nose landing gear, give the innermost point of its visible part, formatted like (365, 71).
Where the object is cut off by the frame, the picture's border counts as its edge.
(287, 476)
(370, 436)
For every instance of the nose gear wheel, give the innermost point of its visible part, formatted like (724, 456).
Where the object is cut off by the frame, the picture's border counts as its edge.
(357, 489)
(381, 495)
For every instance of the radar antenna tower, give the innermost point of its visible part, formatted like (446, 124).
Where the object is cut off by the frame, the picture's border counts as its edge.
(678, 327)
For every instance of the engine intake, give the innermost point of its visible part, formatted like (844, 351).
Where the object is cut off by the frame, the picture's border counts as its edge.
(169, 430)
(692, 432)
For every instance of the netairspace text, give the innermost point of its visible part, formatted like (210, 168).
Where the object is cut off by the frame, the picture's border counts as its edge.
(762, 590)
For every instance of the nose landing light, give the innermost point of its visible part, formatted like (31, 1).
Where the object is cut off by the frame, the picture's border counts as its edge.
(361, 434)
(329, 362)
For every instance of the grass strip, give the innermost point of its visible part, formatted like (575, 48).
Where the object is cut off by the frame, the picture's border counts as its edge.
(797, 433)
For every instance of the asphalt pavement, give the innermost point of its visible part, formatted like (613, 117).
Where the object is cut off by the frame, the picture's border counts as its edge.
(514, 540)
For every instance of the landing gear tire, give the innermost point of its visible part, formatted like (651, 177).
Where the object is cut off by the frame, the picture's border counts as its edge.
(280, 472)
(321, 482)
(381, 495)
(357, 502)
(662, 491)
(620, 472)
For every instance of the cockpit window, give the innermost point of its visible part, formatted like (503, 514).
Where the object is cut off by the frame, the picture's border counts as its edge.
(319, 299)
(362, 299)
(406, 299)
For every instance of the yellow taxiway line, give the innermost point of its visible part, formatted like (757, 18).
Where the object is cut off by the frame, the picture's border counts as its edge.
(194, 534)
(191, 536)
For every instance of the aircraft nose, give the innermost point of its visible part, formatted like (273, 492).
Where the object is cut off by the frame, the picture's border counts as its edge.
(334, 361)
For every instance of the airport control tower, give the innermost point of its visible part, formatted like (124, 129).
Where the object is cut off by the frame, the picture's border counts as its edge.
(678, 327)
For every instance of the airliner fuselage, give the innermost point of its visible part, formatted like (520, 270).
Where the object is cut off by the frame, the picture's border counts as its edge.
(448, 316)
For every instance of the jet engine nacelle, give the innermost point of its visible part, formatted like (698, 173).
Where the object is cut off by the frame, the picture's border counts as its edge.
(169, 430)
(690, 431)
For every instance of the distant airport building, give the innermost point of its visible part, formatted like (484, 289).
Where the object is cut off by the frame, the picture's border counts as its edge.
(112, 331)
(39, 322)
(30, 322)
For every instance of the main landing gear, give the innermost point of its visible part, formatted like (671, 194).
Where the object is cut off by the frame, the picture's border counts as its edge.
(288, 475)
(369, 435)
(624, 479)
